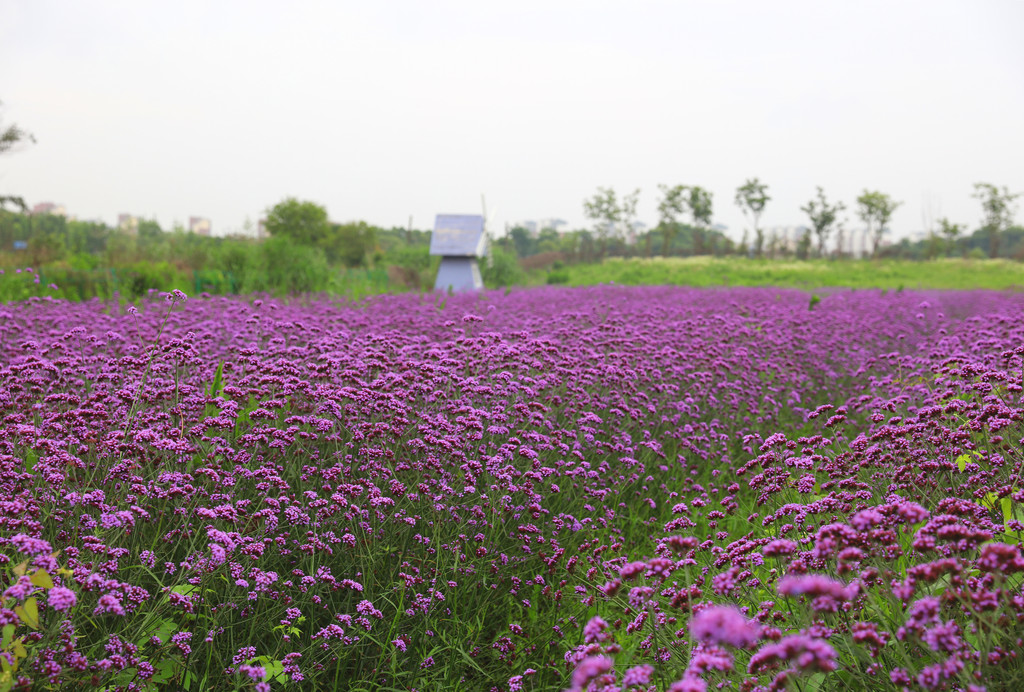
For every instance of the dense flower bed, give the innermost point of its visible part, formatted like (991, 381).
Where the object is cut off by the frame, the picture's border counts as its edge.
(596, 489)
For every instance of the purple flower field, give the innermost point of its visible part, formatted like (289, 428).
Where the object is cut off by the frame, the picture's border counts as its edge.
(600, 489)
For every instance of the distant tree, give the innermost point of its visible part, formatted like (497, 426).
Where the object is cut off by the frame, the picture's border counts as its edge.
(521, 241)
(302, 222)
(629, 203)
(12, 136)
(604, 210)
(774, 243)
(609, 214)
(823, 217)
(933, 245)
(951, 232)
(751, 198)
(699, 202)
(841, 239)
(670, 208)
(875, 209)
(14, 201)
(803, 246)
(149, 230)
(352, 244)
(547, 240)
(998, 210)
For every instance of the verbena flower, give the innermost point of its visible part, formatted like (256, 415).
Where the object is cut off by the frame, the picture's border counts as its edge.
(724, 625)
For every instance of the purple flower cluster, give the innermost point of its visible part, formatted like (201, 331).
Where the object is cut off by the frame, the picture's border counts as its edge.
(599, 488)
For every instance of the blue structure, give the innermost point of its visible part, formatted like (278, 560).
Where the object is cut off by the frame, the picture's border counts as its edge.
(460, 241)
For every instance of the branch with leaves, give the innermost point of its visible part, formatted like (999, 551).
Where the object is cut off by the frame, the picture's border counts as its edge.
(875, 209)
(751, 198)
(823, 217)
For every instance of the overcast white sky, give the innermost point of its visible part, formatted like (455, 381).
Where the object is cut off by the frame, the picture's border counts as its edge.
(382, 110)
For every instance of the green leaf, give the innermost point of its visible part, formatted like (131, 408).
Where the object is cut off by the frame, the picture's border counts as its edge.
(961, 461)
(990, 500)
(31, 459)
(7, 636)
(217, 388)
(272, 668)
(166, 670)
(163, 630)
(814, 682)
(42, 579)
(28, 613)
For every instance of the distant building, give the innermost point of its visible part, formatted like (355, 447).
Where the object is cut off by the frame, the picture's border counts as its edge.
(786, 238)
(261, 229)
(50, 208)
(534, 227)
(553, 224)
(530, 226)
(634, 231)
(128, 223)
(199, 225)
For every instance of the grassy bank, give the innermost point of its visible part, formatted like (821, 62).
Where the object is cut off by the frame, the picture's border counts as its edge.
(951, 274)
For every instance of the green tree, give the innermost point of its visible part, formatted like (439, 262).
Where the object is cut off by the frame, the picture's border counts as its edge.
(875, 209)
(699, 202)
(501, 268)
(547, 240)
(751, 198)
(803, 246)
(670, 208)
(609, 214)
(352, 244)
(823, 216)
(302, 222)
(998, 210)
(87, 237)
(292, 268)
(951, 232)
(521, 241)
(12, 136)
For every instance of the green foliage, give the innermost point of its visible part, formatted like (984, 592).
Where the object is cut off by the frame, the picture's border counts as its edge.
(699, 202)
(998, 209)
(823, 217)
(670, 208)
(803, 248)
(301, 222)
(287, 268)
(951, 233)
(875, 209)
(612, 218)
(350, 244)
(558, 275)
(751, 198)
(501, 268)
(12, 136)
(522, 241)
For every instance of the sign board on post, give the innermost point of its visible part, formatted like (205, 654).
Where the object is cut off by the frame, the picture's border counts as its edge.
(460, 241)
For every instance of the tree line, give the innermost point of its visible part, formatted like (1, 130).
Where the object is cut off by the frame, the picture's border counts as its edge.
(613, 224)
(71, 251)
